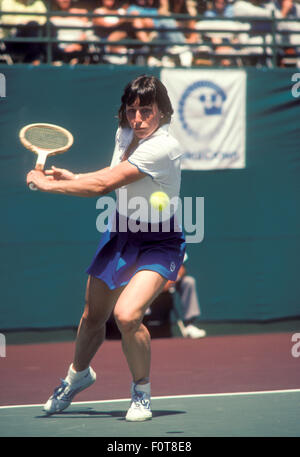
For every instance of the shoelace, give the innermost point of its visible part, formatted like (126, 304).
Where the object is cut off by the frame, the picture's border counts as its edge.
(140, 399)
(60, 389)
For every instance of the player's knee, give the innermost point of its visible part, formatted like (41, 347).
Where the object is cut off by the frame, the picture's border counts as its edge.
(126, 322)
(93, 321)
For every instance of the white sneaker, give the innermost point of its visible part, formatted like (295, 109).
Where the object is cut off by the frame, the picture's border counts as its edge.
(186, 58)
(116, 60)
(140, 407)
(167, 62)
(64, 394)
(194, 332)
(154, 62)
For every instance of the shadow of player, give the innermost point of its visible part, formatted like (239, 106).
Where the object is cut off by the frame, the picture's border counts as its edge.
(90, 412)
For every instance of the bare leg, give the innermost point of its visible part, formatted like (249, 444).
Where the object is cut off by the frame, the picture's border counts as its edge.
(118, 35)
(100, 301)
(137, 350)
(91, 332)
(129, 312)
(143, 23)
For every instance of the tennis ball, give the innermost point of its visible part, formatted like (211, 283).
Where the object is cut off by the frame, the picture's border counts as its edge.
(159, 200)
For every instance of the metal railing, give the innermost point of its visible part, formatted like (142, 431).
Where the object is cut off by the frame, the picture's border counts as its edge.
(272, 49)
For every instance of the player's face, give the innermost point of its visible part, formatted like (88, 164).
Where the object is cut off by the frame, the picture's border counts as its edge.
(144, 120)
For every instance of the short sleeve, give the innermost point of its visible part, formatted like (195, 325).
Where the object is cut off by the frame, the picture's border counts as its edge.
(154, 157)
(123, 138)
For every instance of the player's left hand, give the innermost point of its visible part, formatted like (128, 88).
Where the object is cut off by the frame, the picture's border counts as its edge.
(38, 178)
(59, 173)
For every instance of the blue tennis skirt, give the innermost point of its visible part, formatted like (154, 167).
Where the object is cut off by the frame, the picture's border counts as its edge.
(121, 254)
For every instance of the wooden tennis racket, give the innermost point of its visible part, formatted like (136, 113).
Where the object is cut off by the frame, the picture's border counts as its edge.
(45, 140)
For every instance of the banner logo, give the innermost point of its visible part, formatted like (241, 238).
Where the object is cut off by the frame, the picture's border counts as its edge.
(2, 345)
(209, 119)
(2, 86)
(207, 99)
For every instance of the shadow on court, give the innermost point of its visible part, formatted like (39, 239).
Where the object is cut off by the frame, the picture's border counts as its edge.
(120, 415)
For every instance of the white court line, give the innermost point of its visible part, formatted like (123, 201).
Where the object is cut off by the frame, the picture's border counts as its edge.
(229, 394)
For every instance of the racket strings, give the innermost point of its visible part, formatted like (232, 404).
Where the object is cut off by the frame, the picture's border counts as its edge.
(46, 138)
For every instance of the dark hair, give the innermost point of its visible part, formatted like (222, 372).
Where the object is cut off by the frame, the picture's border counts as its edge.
(148, 89)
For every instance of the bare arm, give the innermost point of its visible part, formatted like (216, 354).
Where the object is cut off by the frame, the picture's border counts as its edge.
(286, 7)
(61, 173)
(88, 184)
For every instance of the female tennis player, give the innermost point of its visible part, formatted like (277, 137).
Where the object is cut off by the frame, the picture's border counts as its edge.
(130, 267)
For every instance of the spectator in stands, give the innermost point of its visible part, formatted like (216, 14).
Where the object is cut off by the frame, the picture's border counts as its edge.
(116, 29)
(168, 8)
(224, 41)
(219, 8)
(260, 31)
(67, 51)
(112, 28)
(195, 7)
(183, 7)
(290, 10)
(253, 8)
(24, 27)
(143, 7)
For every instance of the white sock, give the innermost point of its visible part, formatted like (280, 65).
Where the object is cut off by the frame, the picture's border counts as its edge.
(74, 376)
(142, 387)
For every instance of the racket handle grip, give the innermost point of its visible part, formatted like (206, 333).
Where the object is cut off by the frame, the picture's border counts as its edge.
(32, 186)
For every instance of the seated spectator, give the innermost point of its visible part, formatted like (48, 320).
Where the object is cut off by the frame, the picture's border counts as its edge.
(144, 7)
(260, 31)
(168, 29)
(253, 8)
(182, 7)
(288, 9)
(223, 42)
(219, 8)
(113, 28)
(24, 27)
(65, 51)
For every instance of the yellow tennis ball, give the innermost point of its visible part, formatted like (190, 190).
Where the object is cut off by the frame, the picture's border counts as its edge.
(159, 200)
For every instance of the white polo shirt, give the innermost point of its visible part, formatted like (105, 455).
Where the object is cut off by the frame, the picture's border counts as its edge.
(158, 156)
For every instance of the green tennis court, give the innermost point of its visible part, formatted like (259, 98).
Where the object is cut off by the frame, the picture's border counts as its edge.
(243, 385)
(253, 414)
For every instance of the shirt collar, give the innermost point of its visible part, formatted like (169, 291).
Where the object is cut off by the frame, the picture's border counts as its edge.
(163, 130)
(126, 135)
